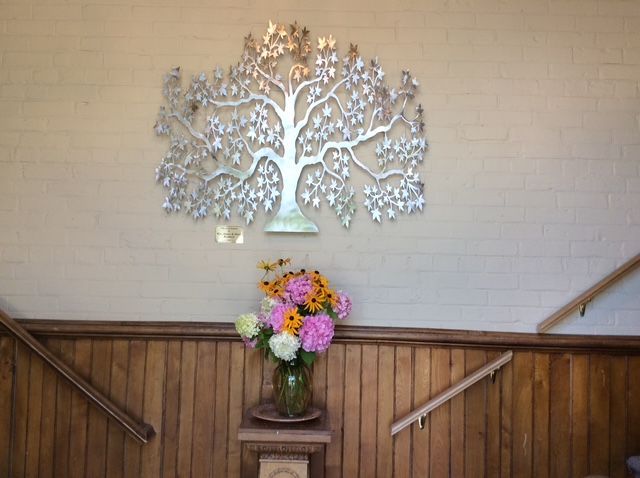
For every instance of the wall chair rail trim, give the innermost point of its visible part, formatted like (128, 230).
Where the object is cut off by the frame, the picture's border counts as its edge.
(344, 334)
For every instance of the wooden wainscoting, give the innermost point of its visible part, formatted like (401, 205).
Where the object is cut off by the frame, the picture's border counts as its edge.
(564, 407)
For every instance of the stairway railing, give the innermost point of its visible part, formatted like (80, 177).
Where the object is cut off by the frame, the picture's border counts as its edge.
(141, 431)
(421, 412)
(583, 299)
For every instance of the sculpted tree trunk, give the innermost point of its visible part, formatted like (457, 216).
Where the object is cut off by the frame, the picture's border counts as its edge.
(289, 217)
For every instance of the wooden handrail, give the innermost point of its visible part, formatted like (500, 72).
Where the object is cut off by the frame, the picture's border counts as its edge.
(449, 393)
(581, 301)
(141, 431)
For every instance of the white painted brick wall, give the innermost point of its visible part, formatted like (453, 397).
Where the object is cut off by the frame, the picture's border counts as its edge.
(532, 177)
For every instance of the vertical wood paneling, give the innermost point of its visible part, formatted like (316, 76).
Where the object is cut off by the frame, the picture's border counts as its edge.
(351, 410)
(494, 435)
(457, 420)
(117, 393)
(203, 413)
(633, 419)
(506, 419)
(7, 350)
(618, 417)
(34, 417)
(320, 381)
(79, 411)
(403, 394)
(541, 416)
(22, 366)
(170, 443)
(599, 384)
(316, 467)
(236, 407)
(97, 426)
(421, 456)
(47, 421)
(560, 416)
(63, 416)
(548, 414)
(475, 408)
(386, 369)
(580, 415)
(523, 416)
(369, 416)
(221, 419)
(155, 370)
(253, 379)
(186, 405)
(135, 397)
(335, 401)
(440, 417)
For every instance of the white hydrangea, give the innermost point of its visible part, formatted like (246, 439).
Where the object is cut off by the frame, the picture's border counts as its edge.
(267, 305)
(248, 325)
(284, 346)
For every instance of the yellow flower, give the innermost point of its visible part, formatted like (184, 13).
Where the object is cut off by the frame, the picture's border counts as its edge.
(275, 289)
(319, 291)
(331, 297)
(284, 280)
(292, 321)
(264, 286)
(312, 304)
(267, 266)
(319, 280)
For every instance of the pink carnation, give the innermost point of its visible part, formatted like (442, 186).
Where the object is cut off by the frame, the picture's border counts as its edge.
(343, 309)
(297, 289)
(316, 333)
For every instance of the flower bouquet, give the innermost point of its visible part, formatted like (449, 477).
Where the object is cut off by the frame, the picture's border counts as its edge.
(296, 322)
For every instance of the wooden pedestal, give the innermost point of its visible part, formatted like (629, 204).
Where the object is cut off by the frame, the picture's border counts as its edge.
(284, 449)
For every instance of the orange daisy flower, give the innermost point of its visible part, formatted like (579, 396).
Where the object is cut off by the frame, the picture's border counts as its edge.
(292, 321)
(264, 286)
(313, 304)
(319, 291)
(320, 280)
(331, 297)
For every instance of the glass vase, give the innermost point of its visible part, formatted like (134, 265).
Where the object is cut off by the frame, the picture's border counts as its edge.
(292, 387)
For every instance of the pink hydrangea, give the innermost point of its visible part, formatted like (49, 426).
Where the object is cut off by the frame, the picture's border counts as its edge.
(250, 343)
(316, 333)
(276, 318)
(298, 288)
(343, 309)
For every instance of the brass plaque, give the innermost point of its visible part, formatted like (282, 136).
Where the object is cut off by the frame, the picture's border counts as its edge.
(229, 234)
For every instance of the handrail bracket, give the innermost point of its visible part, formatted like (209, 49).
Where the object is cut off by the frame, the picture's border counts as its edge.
(582, 308)
(421, 421)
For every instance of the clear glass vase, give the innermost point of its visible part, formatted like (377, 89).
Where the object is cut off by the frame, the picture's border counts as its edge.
(292, 388)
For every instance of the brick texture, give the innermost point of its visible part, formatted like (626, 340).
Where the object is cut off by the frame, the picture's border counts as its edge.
(532, 176)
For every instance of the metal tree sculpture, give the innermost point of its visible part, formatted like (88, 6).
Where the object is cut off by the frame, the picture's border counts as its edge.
(261, 129)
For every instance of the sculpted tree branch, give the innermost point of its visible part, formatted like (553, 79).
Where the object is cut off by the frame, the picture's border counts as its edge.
(234, 146)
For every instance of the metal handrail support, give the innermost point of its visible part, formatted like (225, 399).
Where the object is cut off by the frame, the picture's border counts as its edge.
(449, 393)
(141, 431)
